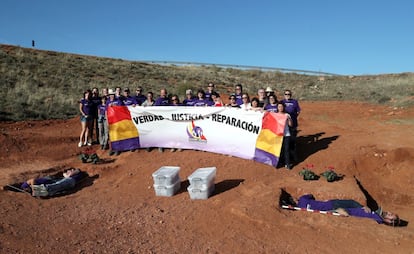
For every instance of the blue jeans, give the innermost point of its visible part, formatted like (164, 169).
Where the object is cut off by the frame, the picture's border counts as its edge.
(60, 185)
(103, 131)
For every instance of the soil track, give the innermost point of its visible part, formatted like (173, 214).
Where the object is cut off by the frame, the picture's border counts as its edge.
(116, 210)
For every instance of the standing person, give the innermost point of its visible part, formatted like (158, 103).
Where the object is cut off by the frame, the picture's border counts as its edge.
(269, 92)
(246, 102)
(210, 90)
(216, 99)
(286, 135)
(233, 102)
(163, 99)
(255, 105)
(127, 99)
(113, 100)
(103, 124)
(238, 94)
(261, 95)
(118, 92)
(85, 108)
(293, 108)
(175, 101)
(149, 101)
(201, 100)
(96, 99)
(189, 98)
(139, 96)
(272, 105)
(105, 92)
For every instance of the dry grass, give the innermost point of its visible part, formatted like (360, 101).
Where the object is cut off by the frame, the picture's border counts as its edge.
(38, 84)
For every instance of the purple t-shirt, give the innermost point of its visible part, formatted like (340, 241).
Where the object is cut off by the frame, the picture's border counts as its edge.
(87, 106)
(203, 102)
(292, 107)
(239, 99)
(129, 100)
(208, 96)
(189, 102)
(140, 99)
(160, 101)
(271, 108)
(115, 102)
(102, 111)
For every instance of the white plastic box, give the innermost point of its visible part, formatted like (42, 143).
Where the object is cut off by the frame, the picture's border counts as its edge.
(166, 175)
(167, 190)
(202, 178)
(200, 193)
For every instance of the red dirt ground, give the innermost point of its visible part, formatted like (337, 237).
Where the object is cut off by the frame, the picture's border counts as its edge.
(118, 212)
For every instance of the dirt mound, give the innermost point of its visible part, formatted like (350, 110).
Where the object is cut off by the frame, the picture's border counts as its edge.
(118, 212)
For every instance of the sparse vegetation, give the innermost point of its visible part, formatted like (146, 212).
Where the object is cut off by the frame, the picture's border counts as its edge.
(38, 84)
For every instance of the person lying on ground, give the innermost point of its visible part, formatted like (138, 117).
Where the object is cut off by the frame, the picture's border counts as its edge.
(50, 186)
(348, 207)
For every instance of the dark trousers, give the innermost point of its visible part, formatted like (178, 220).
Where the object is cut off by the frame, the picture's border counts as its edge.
(345, 203)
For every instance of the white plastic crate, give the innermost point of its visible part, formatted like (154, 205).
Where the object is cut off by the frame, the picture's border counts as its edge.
(200, 193)
(166, 175)
(167, 190)
(202, 178)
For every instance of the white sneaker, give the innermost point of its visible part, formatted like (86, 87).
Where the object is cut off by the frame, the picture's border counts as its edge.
(80, 144)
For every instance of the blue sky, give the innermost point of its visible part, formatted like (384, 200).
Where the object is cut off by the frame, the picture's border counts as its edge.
(352, 37)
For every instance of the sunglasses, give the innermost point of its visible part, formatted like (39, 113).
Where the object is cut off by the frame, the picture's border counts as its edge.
(288, 94)
(232, 98)
(174, 99)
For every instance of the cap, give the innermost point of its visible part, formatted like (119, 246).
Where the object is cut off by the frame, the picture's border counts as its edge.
(268, 89)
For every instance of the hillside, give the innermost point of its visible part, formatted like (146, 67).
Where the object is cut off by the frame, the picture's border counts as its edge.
(38, 84)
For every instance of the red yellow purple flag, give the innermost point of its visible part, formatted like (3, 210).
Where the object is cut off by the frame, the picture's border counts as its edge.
(270, 139)
(122, 132)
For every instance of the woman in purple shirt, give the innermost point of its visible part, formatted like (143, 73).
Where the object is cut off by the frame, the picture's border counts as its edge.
(201, 99)
(272, 105)
(86, 118)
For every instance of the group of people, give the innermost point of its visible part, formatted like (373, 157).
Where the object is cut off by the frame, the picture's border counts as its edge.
(93, 107)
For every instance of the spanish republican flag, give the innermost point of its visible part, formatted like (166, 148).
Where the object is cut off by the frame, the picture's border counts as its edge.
(123, 134)
(270, 139)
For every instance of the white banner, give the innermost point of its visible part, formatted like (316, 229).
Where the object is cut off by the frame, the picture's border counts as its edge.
(221, 130)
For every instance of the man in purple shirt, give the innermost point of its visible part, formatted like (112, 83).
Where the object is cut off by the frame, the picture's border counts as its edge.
(139, 96)
(163, 99)
(348, 207)
(127, 99)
